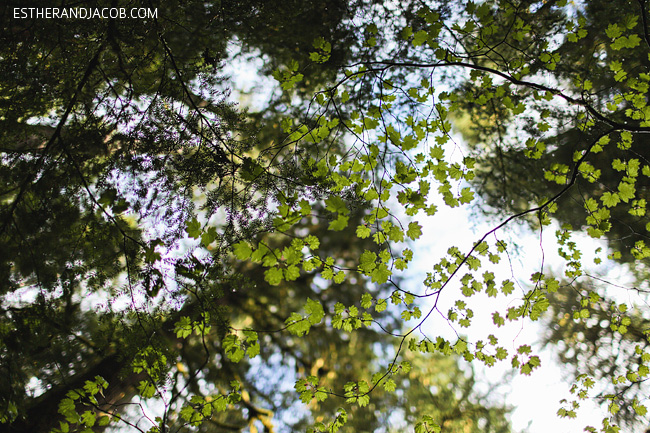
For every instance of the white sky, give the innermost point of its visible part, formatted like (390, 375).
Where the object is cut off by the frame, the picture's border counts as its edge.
(535, 397)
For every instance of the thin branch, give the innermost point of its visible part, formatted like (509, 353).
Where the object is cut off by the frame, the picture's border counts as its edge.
(530, 84)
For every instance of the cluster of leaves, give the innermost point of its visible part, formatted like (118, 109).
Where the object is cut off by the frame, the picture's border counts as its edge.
(502, 93)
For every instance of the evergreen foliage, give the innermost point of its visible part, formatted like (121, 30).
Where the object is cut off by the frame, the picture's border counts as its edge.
(171, 262)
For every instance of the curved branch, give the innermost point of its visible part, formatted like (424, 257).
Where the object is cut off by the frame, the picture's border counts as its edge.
(570, 99)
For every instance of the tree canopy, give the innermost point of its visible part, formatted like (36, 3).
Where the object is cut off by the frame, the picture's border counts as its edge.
(172, 261)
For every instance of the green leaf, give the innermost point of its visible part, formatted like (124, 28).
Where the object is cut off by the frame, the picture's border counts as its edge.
(626, 191)
(151, 255)
(146, 389)
(183, 327)
(610, 199)
(366, 300)
(363, 231)
(193, 228)
(380, 274)
(315, 311)
(273, 276)
(253, 350)
(466, 196)
(420, 38)
(232, 347)
(507, 287)
(613, 31)
(340, 223)
(312, 242)
(390, 385)
(242, 250)
(291, 273)
(414, 231)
